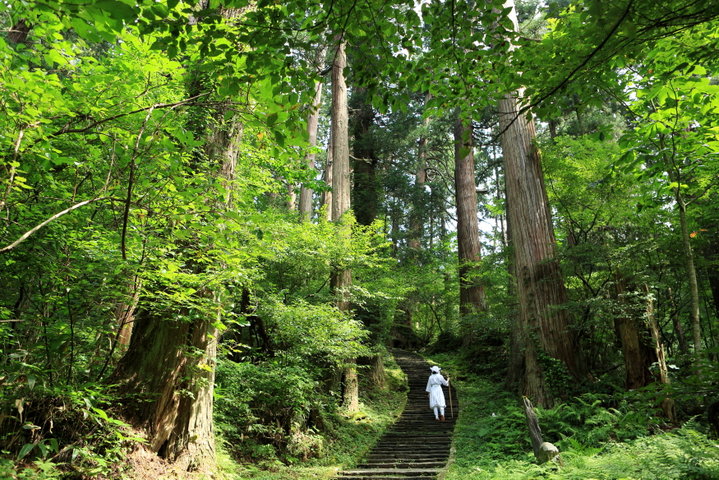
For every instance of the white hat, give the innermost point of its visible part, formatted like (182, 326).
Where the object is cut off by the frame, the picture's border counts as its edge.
(435, 369)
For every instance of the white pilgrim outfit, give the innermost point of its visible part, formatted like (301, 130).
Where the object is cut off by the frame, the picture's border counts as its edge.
(436, 396)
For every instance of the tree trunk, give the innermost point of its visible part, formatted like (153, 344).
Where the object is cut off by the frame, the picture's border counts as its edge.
(173, 361)
(638, 356)
(364, 189)
(340, 137)
(327, 176)
(518, 354)
(691, 273)
(540, 285)
(668, 405)
(178, 420)
(543, 451)
(305, 202)
(342, 278)
(471, 292)
(677, 324)
(416, 225)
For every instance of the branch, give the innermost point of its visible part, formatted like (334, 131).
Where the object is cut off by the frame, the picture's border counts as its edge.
(130, 185)
(13, 169)
(54, 217)
(571, 74)
(124, 114)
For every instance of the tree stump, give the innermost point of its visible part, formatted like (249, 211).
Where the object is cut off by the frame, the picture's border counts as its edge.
(543, 451)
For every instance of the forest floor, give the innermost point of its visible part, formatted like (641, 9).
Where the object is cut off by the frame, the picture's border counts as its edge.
(491, 440)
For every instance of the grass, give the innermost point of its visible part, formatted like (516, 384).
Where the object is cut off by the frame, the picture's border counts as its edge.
(491, 441)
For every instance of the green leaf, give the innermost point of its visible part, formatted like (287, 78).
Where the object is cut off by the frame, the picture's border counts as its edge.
(116, 9)
(25, 450)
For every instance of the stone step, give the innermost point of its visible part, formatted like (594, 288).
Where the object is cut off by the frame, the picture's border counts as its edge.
(400, 456)
(381, 476)
(395, 465)
(398, 472)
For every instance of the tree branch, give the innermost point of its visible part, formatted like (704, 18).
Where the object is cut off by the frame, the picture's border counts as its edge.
(571, 74)
(54, 217)
(120, 115)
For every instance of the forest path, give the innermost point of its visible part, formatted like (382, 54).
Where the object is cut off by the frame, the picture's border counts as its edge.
(417, 446)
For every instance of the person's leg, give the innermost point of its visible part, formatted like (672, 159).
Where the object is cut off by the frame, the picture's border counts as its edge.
(441, 413)
(436, 413)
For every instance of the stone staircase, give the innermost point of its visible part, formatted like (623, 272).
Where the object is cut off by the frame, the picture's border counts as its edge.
(417, 446)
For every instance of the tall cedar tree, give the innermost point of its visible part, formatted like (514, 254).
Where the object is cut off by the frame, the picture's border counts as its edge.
(471, 292)
(544, 324)
(342, 277)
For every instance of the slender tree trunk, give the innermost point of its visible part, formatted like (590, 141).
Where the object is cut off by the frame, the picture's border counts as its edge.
(677, 324)
(416, 225)
(471, 292)
(305, 202)
(540, 285)
(292, 202)
(342, 278)
(691, 273)
(327, 176)
(667, 404)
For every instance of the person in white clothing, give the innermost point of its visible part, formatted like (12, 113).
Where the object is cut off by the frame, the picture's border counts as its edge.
(436, 396)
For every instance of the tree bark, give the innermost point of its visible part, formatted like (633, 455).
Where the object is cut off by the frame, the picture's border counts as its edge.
(342, 278)
(173, 361)
(416, 226)
(178, 420)
(305, 202)
(471, 291)
(340, 137)
(540, 285)
(327, 176)
(667, 404)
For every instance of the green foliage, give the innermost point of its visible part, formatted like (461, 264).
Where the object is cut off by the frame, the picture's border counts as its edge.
(60, 431)
(599, 437)
(265, 406)
(114, 200)
(274, 413)
(590, 421)
(321, 332)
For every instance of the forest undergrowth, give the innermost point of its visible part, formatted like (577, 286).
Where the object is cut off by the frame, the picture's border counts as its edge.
(600, 437)
(343, 443)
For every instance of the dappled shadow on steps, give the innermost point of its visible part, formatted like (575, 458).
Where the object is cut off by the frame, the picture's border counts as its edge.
(417, 446)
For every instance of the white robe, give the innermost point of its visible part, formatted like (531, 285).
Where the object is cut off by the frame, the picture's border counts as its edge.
(434, 388)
